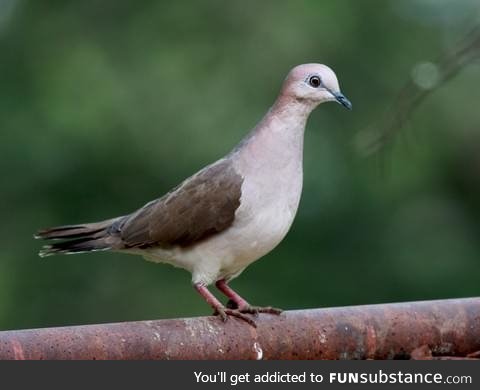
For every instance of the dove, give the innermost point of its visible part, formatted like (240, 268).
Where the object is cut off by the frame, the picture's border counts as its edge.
(230, 213)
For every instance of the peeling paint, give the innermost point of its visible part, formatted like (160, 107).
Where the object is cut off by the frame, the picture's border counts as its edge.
(17, 350)
(258, 350)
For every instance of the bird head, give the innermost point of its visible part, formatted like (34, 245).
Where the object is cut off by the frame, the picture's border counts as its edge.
(314, 84)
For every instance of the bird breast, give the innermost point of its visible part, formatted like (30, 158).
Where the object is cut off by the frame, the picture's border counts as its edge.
(268, 205)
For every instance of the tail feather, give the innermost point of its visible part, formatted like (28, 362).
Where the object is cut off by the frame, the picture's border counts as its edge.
(68, 231)
(77, 238)
(80, 245)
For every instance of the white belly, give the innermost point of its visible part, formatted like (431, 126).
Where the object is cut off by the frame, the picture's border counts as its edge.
(253, 236)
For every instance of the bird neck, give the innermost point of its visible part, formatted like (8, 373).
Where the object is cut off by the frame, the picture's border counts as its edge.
(287, 116)
(277, 140)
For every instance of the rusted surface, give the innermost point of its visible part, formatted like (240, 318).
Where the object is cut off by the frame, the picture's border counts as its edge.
(429, 329)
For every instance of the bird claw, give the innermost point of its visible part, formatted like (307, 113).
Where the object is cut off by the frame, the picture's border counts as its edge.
(233, 309)
(224, 313)
(255, 310)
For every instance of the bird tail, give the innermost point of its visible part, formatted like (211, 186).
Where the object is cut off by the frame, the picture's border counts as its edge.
(76, 238)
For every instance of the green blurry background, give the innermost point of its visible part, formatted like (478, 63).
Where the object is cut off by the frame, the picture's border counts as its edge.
(105, 105)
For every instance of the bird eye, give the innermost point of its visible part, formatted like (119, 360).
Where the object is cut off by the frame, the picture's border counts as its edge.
(314, 81)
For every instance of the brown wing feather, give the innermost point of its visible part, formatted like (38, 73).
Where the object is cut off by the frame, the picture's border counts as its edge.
(200, 207)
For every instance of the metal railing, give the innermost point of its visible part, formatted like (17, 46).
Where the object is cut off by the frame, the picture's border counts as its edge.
(443, 329)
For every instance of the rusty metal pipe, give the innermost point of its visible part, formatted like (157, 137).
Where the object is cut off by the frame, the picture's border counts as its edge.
(388, 331)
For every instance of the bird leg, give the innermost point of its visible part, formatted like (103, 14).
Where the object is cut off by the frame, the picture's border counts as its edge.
(240, 304)
(221, 310)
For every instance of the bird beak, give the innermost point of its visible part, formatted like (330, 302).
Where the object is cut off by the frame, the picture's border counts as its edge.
(340, 98)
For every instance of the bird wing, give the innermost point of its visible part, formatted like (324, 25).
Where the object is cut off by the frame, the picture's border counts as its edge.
(203, 205)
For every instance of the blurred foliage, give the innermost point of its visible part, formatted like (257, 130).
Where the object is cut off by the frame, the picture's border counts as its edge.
(105, 105)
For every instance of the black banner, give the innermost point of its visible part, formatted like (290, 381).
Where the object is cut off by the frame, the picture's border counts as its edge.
(241, 374)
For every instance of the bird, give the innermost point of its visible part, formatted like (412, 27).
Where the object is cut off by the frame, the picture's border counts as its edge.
(230, 213)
